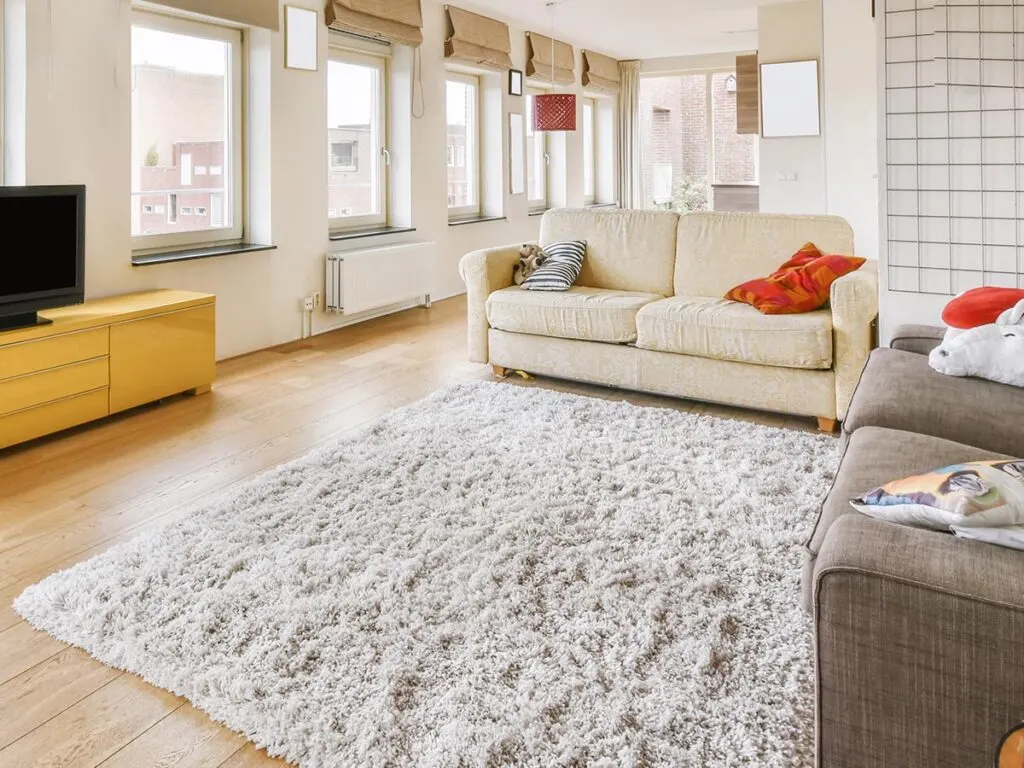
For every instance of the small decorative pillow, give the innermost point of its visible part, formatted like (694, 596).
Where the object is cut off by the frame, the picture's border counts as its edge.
(980, 306)
(561, 268)
(983, 494)
(802, 284)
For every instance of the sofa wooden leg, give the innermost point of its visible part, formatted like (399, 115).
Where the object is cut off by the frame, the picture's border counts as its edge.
(500, 372)
(827, 425)
(202, 390)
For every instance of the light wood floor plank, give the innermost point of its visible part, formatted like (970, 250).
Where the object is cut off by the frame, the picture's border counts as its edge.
(47, 689)
(251, 756)
(90, 731)
(21, 648)
(69, 497)
(186, 738)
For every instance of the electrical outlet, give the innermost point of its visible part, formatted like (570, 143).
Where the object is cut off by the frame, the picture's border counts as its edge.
(316, 300)
(307, 304)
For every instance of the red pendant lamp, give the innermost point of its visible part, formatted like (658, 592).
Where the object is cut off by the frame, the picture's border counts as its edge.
(554, 111)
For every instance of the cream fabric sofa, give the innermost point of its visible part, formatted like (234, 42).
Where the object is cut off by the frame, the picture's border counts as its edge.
(647, 312)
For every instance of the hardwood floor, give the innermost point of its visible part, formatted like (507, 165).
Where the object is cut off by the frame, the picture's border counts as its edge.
(66, 498)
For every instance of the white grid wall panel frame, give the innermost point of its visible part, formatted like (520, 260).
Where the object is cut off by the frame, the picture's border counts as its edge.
(954, 123)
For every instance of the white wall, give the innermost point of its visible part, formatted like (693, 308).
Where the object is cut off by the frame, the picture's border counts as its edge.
(851, 119)
(789, 32)
(78, 130)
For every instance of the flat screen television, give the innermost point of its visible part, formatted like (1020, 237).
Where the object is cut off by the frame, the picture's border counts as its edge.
(42, 259)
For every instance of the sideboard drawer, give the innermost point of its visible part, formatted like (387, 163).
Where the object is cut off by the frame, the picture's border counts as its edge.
(55, 384)
(53, 417)
(43, 354)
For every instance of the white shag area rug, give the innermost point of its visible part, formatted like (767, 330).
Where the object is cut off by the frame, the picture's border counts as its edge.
(495, 576)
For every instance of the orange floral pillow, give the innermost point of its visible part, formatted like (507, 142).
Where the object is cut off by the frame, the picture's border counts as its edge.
(802, 284)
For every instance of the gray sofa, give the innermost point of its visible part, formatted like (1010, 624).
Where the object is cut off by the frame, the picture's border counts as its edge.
(919, 635)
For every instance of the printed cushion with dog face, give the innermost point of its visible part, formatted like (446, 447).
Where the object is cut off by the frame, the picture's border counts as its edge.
(802, 284)
(562, 265)
(983, 494)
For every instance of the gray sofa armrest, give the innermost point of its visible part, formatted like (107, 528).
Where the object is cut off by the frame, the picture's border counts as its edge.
(920, 339)
(920, 647)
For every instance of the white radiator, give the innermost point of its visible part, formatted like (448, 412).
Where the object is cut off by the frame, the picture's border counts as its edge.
(359, 281)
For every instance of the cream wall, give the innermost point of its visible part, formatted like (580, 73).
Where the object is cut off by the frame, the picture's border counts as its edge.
(77, 118)
(789, 32)
(851, 119)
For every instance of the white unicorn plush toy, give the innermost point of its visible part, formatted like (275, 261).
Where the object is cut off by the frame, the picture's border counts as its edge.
(994, 352)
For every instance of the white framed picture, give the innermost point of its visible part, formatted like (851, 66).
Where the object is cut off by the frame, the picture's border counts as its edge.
(300, 38)
(789, 99)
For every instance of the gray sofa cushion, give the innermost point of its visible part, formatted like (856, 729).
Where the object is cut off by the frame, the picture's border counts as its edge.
(875, 456)
(899, 391)
(921, 339)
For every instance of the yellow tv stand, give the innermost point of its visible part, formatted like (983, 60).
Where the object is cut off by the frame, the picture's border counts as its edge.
(103, 357)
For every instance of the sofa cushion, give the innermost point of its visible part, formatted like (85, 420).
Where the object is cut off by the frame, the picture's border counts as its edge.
(717, 251)
(875, 456)
(626, 250)
(591, 314)
(726, 330)
(898, 390)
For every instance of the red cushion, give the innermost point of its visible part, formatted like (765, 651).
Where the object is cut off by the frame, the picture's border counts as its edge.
(802, 284)
(980, 306)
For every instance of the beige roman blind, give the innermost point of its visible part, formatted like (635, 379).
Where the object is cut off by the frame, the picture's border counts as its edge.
(600, 72)
(539, 63)
(476, 39)
(748, 118)
(252, 13)
(396, 21)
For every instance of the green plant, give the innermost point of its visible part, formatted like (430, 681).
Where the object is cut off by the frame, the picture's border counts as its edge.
(691, 194)
(152, 157)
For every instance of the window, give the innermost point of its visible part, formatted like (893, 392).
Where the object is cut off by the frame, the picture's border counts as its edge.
(216, 170)
(186, 210)
(200, 210)
(186, 107)
(464, 135)
(537, 158)
(357, 129)
(147, 209)
(201, 170)
(693, 158)
(589, 154)
(344, 156)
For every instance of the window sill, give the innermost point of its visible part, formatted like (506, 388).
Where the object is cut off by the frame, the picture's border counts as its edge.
(355, 234)
(474, 220)
(190, 254)
(538, 211)
(592, 206)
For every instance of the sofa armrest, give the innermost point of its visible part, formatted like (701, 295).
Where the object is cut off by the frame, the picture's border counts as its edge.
(484, 272)
(854, 301)
(920, 647)
(920, 339)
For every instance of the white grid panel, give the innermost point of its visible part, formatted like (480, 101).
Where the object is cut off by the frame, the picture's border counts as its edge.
(954, 126)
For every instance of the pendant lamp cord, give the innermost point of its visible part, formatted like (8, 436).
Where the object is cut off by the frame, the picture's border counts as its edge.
(551, 5)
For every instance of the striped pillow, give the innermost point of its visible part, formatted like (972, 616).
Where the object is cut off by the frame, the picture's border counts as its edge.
(561, 267)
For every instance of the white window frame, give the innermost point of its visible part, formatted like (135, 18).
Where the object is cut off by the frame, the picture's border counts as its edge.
(382, 141)
(539, 204)
(590, 198)
(474, 159)
(234, 144)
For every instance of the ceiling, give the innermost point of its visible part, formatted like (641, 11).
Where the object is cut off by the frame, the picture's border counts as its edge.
(641, 29)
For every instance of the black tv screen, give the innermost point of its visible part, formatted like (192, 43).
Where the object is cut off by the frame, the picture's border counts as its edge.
(42, 262)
